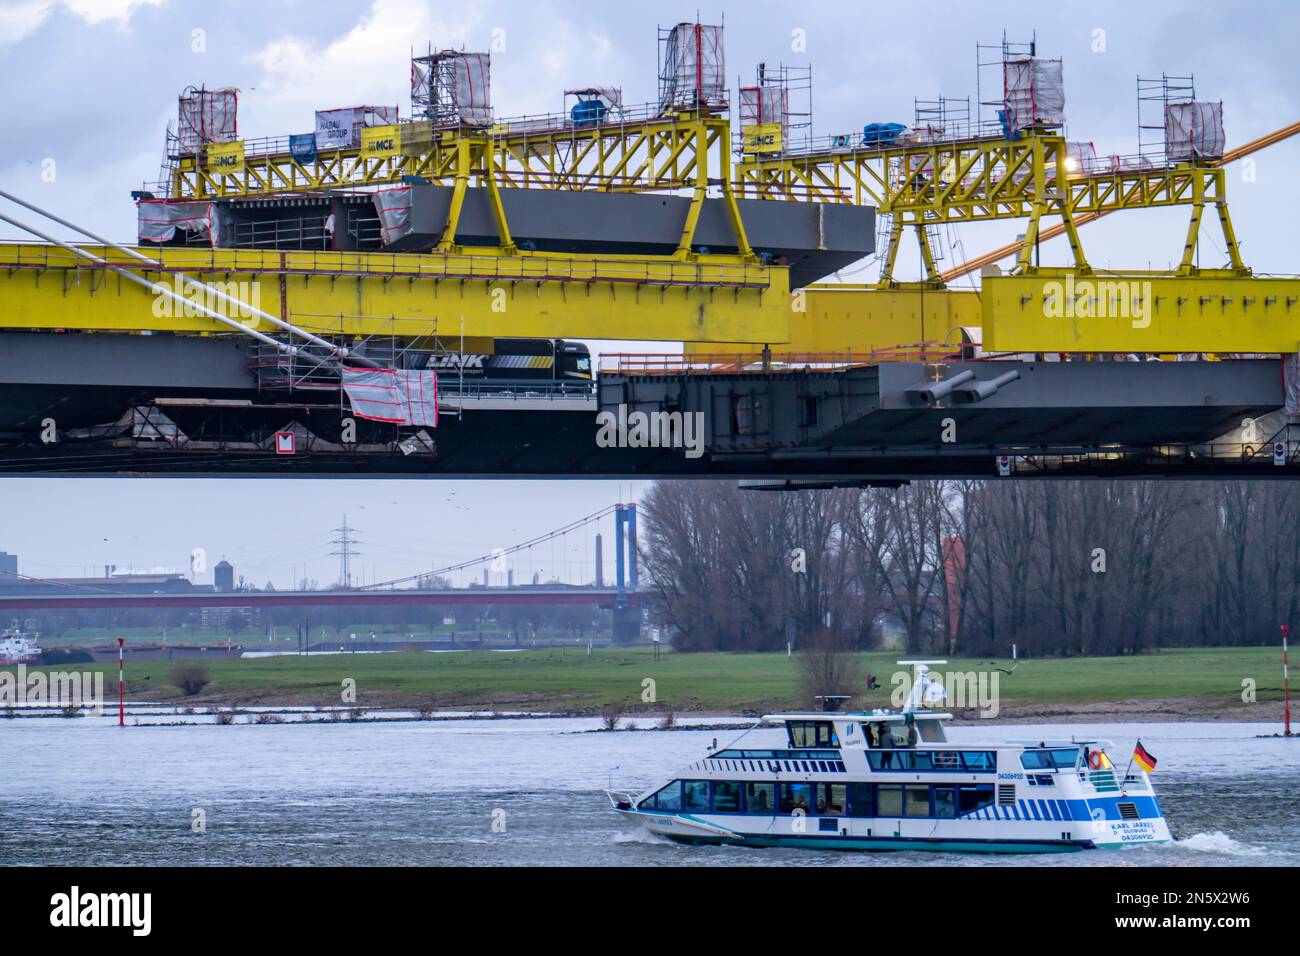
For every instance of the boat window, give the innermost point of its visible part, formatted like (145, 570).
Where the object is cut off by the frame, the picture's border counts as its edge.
(860, 802)
(760, 797)
(812, 733)
(1061, 758)
(668, 798)
(980, 760)
(921, 759)
(832, 799)
(726, 797)
(695, 795)
(945, 802)
(974, 797)
(886, 760)
(1065, 758)
(889, 801)
(916, 801)
(931, 731)
(1035, 760)
(775, 754)
(914, 760)
(796, 796)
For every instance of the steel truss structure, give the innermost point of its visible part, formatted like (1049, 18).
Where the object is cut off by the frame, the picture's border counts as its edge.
(984, 178)
(640, 151)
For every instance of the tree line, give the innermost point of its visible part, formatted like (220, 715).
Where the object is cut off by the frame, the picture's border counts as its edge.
(972, 567)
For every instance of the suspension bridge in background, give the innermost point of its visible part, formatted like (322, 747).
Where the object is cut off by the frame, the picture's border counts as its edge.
(492, 581)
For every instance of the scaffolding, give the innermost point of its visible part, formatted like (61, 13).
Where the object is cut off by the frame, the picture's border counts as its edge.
(692, 69)
(943, 117)
(780, 95)
(1017, 74)
(452, 88)
(1154, 96)
(206, 116)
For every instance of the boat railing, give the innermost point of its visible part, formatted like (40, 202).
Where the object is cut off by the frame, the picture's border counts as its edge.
(622, 799)
(1112, 781)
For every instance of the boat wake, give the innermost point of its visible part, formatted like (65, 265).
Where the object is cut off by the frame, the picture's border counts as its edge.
(1217, 842)
(641, 835)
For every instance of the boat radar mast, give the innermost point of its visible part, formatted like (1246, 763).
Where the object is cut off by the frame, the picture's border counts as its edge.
(921, 685)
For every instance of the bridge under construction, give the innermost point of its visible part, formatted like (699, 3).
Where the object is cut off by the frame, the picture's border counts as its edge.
(320, 303)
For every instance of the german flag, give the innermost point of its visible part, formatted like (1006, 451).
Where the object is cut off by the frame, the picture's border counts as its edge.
(1144, 759)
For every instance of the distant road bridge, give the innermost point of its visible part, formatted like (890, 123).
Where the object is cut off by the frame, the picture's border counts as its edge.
(607, 597)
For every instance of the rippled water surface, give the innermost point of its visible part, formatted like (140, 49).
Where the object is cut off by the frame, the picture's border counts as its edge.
(83, 791)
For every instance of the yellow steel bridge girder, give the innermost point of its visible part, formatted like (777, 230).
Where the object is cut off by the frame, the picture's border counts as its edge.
(859, 318)
(1220, 312)
(478, 292)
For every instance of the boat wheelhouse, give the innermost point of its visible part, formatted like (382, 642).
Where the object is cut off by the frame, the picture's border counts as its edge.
(891, 780)
(17, 648)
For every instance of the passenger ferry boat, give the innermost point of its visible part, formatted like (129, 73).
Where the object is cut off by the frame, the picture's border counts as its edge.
(891, 780)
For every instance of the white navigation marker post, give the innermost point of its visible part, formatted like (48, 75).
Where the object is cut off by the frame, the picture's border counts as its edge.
(1286, 684)
(121, 686)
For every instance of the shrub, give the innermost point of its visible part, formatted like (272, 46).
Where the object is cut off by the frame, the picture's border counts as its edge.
(189, 679)
(610, 716)
(829, 665)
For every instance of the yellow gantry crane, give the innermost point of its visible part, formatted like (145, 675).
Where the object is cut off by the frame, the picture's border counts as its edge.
(502, 289)
(641, 150)
(997, 255)
(476, 292)
(981, 179)
(1034, 309)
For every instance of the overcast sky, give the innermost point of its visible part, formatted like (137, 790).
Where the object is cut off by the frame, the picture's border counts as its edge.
(91, 85)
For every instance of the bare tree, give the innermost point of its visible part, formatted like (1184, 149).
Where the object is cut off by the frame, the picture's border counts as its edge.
(828, 666)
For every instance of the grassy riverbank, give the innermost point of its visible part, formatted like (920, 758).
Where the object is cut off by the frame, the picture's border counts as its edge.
(1180, 684)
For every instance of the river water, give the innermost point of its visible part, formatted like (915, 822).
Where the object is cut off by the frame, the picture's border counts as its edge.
(519, 792)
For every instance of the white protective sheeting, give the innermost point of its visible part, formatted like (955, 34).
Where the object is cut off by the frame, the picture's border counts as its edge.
(207, 116)
(1080, 158)
(768, 103)
(422, 98)
(158, 220)
(612, 95)
(1033, 92)
(694, 69)
(473, 72)
(341, 129)
(1194, 130)
(394, 206)
(399, 396)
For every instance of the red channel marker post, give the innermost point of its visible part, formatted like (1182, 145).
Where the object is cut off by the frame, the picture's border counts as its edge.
(121, 695)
